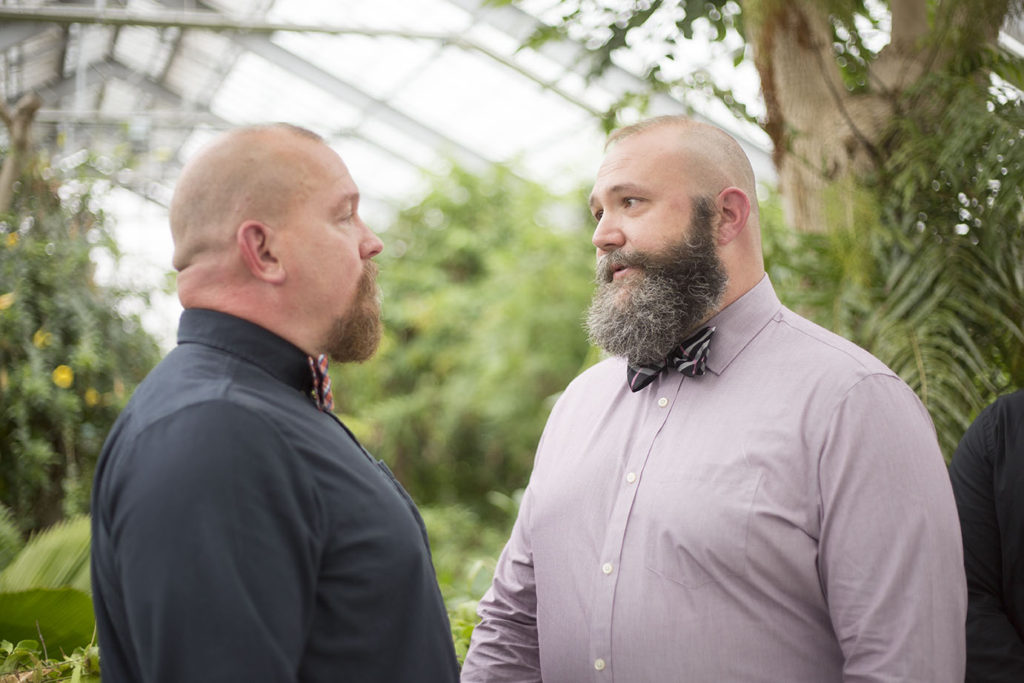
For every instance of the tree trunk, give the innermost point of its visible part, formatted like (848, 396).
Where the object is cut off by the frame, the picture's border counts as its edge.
(19, 125)
(822, 133)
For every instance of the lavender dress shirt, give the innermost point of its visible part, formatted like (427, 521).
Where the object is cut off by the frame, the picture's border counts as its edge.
(785, 518)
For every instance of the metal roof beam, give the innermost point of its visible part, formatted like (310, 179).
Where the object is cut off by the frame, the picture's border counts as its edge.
(173, 115)
(195, 19)
(99, 73)
(215, 21)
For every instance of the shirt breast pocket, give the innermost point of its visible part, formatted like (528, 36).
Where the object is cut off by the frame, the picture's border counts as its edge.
(697, 523)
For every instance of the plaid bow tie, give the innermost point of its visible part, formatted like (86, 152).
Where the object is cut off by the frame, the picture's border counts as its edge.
(689, 358)
(322, 395)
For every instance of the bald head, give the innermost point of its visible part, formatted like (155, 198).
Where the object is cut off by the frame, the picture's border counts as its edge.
(254, 173)
(266, 228)
(714, 159)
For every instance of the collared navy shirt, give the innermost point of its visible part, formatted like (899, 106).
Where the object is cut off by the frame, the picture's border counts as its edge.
(987, 472)
(240, 534)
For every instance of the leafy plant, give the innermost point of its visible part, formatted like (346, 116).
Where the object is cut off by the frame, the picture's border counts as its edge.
(485, 283)
(56, 558)
(10, 537)
(69, 354)
(27, 661)
(465, 544)
(45, 607)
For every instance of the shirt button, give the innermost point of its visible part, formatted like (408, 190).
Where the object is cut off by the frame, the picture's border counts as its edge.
(599, 664)
(662, 402)
(607, 567)
(631, 477)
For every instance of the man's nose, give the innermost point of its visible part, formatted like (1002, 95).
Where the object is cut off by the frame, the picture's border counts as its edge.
(608, 235)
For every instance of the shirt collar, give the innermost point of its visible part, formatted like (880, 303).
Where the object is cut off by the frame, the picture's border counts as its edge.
(739, 322)
(250, 342)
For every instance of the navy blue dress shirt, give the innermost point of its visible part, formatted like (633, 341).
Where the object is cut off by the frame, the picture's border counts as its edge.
(240, 534)
(987, 472)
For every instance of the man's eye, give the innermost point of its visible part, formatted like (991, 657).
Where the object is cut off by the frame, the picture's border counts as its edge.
(629, 202)
(597, 215)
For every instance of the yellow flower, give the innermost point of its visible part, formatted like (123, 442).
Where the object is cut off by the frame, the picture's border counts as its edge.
(6, 300)
(42, 339)
(12, 240)
(63, 376)
(92, 397)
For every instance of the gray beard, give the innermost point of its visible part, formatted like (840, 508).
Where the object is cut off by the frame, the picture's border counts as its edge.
(646, 315)
(355, 337)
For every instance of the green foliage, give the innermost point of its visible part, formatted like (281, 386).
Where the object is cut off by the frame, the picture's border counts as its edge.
(45, 607)
(28, 660)
(62, 615)
(485, 284)
(927, 270)
(56, 558)
(664, 29)
(69, 356)
(954, 256)
(465, 545)
(10, 537)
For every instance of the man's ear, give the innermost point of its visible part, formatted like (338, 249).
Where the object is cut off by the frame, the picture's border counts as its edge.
(257, 247)
(733, 209)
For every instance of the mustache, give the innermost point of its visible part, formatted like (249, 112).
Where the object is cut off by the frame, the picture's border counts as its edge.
(618, 259)
(368, 281)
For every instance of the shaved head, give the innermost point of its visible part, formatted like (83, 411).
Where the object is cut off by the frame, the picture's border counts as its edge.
(714, 159)
(266, 227)
(254, 173)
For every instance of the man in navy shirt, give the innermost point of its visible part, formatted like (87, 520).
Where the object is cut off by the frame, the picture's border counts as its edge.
(240, 532)
(987, 472)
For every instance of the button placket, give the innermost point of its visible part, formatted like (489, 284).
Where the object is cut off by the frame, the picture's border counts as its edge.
(633, 461)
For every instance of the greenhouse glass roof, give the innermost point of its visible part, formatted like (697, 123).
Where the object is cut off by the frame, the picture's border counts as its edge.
(397, 87)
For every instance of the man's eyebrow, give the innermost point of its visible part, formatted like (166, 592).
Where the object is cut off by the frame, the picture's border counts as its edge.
(346, 201)
(620, 189)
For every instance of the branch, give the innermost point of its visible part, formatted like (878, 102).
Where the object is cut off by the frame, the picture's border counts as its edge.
(909, 25)
(840, 102)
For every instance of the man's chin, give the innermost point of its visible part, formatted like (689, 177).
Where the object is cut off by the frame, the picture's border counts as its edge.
(355, 340)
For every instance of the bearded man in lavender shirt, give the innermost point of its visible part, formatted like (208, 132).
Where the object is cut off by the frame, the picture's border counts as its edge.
(775, 511)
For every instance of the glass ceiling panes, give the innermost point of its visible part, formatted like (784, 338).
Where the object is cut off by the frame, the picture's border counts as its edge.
(455, 86)
(258, 91)
(89, 44)
(409, 15)
(378, 65)
(143, 50)
(424, 96)
(198, 65)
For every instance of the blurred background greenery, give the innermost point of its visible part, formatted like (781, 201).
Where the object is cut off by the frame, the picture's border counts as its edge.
(918, 257)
